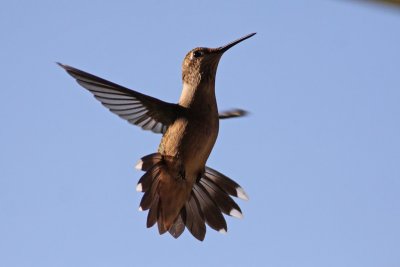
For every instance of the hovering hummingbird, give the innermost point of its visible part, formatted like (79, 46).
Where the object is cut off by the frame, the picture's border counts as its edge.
(179, 189)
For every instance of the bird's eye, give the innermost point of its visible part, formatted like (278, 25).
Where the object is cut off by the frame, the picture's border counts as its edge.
(197, 54)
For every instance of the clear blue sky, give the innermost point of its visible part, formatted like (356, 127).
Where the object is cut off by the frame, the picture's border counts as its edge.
(319, 156)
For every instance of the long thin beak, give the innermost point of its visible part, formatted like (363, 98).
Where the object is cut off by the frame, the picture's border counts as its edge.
(224, 48)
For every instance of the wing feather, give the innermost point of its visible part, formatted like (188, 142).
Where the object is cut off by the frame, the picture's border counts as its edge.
(145, 111)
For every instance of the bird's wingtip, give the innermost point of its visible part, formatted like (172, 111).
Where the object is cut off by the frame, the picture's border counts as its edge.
(242, 112)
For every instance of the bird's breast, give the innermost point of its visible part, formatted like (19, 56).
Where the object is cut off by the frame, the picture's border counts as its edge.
(191, 141)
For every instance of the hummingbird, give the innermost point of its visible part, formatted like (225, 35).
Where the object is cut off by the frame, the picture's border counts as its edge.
(180, 191)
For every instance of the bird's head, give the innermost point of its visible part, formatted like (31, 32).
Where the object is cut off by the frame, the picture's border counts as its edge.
(201, 63)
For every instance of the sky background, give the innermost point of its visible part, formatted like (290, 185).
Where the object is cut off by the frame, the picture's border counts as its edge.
(319, 155)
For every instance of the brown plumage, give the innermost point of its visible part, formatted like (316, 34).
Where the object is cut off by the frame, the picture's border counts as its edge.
(179, 190)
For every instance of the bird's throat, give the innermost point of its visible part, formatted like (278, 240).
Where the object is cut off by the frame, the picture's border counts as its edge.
(199, 97)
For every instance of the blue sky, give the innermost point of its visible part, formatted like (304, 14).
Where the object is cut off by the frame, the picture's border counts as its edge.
(319, 155)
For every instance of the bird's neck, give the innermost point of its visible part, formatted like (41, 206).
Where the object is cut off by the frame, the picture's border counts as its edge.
(199, 97)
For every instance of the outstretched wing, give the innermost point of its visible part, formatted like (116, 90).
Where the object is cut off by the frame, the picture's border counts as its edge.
(145, 111)
(233, 113)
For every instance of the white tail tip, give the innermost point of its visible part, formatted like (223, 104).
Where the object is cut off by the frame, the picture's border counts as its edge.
(139, 165)
(139, 187)
(241, 194)
(140, 208)
(222, 231)
(235, 213)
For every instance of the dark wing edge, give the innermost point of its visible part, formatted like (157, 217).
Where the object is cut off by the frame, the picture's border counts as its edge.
(139, 109)
(233, 113)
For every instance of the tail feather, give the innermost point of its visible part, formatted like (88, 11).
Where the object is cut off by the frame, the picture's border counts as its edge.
(150, 195)
(148, 161)
(195, 218)
(170, 206)
(146, 180)
(226, 184)
(173, 194)
(179, 225)
(212, 213)
(224, 202)
(161, 229)
(153, 213)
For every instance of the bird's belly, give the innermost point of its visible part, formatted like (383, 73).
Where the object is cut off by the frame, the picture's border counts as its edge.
(190, 142)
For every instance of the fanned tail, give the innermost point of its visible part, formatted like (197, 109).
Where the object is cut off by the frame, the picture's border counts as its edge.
(165, 192)
(173, 209)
